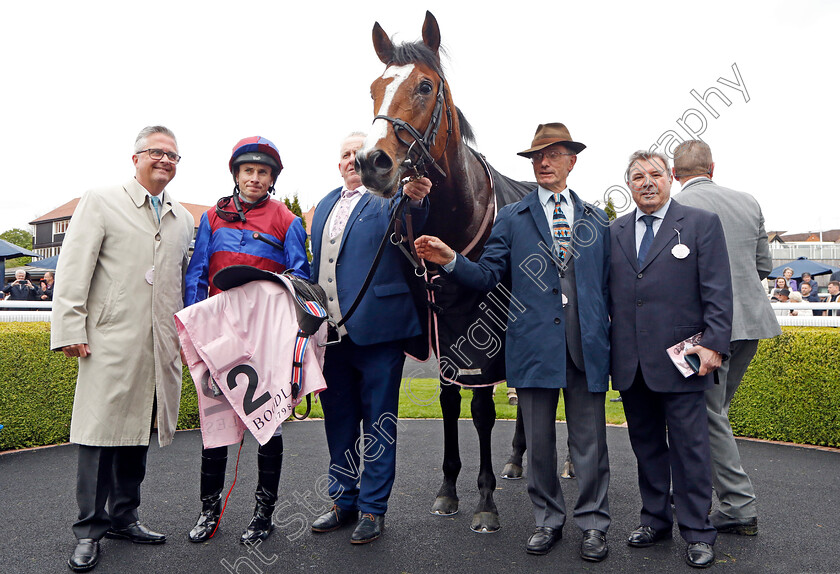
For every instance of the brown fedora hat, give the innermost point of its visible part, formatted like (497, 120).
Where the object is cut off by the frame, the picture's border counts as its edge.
(548, 134)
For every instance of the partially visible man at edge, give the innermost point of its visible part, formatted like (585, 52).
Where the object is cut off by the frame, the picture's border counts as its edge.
(752, 319)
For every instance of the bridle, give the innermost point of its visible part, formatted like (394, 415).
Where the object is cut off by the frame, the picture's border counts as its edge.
(419, 155)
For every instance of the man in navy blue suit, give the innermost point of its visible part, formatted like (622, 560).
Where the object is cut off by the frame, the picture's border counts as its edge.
(364, 370)
(556, 249)
(669, 280)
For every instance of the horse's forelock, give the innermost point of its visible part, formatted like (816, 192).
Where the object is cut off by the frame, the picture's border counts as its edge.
(419, 53)
(416, 53)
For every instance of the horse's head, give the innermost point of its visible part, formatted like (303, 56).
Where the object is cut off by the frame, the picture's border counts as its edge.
(413, 119)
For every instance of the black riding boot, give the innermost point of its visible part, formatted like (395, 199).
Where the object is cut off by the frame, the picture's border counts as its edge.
(269, 462)
(213, 462)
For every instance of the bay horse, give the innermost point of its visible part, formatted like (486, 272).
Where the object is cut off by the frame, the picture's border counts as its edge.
(411, 93)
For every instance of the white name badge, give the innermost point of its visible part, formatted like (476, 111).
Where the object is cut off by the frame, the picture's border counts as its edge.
(680, 251)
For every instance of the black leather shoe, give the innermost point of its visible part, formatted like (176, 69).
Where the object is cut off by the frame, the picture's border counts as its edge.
(594, 545)
(260, 527)
(368, 529)
(335, 519)
(727, 525)
(136, 533)
(542, 540)
(207, 521)
(85, 556)
(700, 555)
(645, 536)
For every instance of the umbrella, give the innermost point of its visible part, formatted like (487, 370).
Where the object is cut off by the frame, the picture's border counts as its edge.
(10, 250)
(803, 265)
(49, 263)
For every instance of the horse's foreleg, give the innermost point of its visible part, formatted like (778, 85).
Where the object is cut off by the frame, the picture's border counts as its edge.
(513, 468)
(446, 502)
(486, 516)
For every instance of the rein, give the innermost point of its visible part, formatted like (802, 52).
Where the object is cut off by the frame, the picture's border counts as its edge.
(380, 250)
(423, 142)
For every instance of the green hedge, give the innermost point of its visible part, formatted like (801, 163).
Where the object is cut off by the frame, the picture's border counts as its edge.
(790, 393)
(37, 386)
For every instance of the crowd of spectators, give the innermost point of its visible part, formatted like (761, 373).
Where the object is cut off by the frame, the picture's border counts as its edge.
(23, 289)
(786, 289)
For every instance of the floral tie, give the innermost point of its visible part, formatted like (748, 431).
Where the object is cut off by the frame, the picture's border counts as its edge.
(343, 212)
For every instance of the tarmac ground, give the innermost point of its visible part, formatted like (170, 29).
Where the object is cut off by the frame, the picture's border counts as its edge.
(798, 490)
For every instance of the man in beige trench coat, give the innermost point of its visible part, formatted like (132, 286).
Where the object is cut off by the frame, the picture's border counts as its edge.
(123, 261)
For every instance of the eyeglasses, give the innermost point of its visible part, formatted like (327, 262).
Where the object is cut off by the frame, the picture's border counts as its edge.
(552, 155)
(157, 154)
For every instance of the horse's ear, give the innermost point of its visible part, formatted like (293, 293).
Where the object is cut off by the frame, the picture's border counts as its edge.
(382, 44)
(431, 32)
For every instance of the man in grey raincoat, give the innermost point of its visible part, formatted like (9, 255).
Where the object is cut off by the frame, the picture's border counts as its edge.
(123, 259)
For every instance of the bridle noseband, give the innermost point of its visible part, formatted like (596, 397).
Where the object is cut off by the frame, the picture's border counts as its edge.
(419, 154)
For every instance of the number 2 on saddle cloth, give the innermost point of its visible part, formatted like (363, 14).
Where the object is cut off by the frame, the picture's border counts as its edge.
(225, 341)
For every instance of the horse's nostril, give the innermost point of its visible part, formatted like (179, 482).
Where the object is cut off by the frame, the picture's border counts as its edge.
(381, 161)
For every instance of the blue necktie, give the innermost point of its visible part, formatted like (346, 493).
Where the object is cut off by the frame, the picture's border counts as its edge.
(156, 204)
(560, 228)
(647, 239)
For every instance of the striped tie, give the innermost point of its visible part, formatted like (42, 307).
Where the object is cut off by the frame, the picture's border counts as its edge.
(560, 229)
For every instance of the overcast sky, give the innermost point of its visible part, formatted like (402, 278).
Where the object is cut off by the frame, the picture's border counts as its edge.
(80, 79)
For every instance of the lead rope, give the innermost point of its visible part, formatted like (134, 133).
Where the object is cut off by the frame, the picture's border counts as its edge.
(235, 473)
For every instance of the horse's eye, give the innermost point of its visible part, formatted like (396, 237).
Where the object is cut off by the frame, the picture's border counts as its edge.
(425, 88)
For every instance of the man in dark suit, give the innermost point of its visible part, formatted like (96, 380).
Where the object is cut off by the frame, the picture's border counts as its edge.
(833, 295)
(752, 319)
(555, 247)
(811, 293)
(669, 280)
(364, 370)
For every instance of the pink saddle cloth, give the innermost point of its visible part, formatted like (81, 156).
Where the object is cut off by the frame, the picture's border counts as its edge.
(244, 338)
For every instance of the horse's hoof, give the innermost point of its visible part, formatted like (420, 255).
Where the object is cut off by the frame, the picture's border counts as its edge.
(512, 471)
(568, 470)
(445, 506)
(485, 522)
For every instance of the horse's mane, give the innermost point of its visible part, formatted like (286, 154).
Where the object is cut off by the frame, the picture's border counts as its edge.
(419, 53)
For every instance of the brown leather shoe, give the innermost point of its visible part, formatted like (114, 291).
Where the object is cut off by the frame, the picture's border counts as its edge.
(334, 519)
(369, 528)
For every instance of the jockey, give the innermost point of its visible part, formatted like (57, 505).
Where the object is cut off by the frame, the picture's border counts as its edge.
(224, 238)
(225, 233)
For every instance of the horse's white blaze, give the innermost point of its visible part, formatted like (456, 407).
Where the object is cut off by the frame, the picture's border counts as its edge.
(379, 129)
